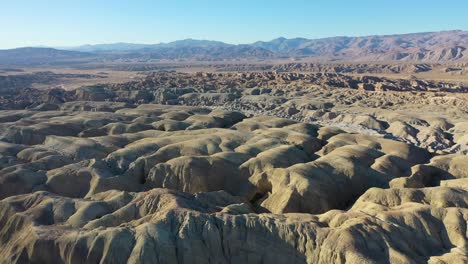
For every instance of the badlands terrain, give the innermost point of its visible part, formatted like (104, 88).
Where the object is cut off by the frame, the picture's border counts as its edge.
(236, 162)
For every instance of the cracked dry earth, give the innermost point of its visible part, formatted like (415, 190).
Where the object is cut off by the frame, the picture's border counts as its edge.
(182, 184)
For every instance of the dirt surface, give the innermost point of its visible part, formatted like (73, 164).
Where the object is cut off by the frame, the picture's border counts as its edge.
(231, 163)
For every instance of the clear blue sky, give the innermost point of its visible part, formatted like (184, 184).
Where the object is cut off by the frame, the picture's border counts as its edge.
(69, 23)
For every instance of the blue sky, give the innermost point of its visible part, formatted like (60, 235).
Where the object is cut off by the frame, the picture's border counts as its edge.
(70, 23)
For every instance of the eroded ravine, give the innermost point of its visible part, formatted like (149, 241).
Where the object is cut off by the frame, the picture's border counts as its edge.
(162, 184)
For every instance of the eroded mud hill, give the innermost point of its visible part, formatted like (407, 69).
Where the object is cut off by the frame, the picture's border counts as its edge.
(112, 182)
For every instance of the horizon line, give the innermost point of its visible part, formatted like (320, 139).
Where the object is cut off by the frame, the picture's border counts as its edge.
(238, 44)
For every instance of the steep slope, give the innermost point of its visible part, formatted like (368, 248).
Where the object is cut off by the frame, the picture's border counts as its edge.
(178, 184)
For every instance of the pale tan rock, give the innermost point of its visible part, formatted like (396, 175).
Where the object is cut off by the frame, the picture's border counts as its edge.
(226, 188)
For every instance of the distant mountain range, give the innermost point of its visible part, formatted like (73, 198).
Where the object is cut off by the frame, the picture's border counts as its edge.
(40, 56)
(445, 46)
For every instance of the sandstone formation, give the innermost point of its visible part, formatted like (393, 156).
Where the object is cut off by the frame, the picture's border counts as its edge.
(413, 111)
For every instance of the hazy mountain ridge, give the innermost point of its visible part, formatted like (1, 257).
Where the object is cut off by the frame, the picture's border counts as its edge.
(122, 46)
(35, 56)
(445, 46)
